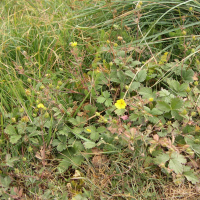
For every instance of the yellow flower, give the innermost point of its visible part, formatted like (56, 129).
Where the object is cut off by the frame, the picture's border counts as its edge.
(88, 130)
(151, 99)
(40, 106)
(120, 104)
(73, 44)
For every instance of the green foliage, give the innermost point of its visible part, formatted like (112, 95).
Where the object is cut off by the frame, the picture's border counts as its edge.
(60, 81)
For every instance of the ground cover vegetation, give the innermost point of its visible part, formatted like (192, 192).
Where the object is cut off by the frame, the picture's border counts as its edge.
(99, 99)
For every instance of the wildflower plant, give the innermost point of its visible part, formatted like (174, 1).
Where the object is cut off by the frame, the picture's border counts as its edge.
(123, 103)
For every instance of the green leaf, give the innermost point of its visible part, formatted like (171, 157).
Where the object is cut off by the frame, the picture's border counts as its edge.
(121, 54)
(176, 162)
(163, 106)
(65, 131)
(64, 165)
(90, 109)
(180, 158)
(173, 84)
(134, 86)
(130, 73)
(5, 182)
(106, 94)
(101, 99)
(10, 161)
(176, 103)
(21, 127)
(155, 111)
(62, 138)
(164, 93)
(161, 158)
(187, 75)
(190, 176)
(55, 142)
(108, 102)
(133, 117)
(10, 130)
(176, 166)
(14, 139)
(153, 120)
(61, 147)
(146, 92)
(121, 76)
(134, 63)
(101, 129)
(77, 161)
(94, 136)
(120, 111)
(176, 115)
(141, 76)
(89, 145)
(78, 146)
(34, 140)
(80, 121)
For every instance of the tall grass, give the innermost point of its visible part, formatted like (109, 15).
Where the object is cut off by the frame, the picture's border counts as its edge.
(35, 41)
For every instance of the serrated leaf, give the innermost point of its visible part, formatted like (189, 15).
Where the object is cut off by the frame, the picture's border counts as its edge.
(176, 103)
(73, 121)
(188, 75)
(155, 111)
(133, 117)
(108, 102)
(134, 86)
(121, 76)
(180, 158)
(76, 161)
(101, 129)
(164, 93)
(176, 166)
(190, 176)
(89, 145)
(78, 121)
(94, 136)
(130, 73)
(176, 162)
(77, 130)
(101, 99)
(21, 127)
(62, 138)
(120, 111)
(48, 124)
(134, 63)
(161, 158)
(10, 161)
(78, 146)
(64, 165)
(55, 142)
(174, 84)
(153, 120)
(14, 139)
(121, 54)
(5, 182)
(141, 76)
(34, 140)
(163, 106)
(176, 115)
(10, 130)
(146, 92)
(106, 94)
(90, 109)
(61, 146)
(147, 109)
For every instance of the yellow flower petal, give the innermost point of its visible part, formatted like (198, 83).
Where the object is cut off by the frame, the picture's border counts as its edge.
(120, 104)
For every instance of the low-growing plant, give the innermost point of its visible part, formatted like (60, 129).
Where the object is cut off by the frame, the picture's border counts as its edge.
(113, 115)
